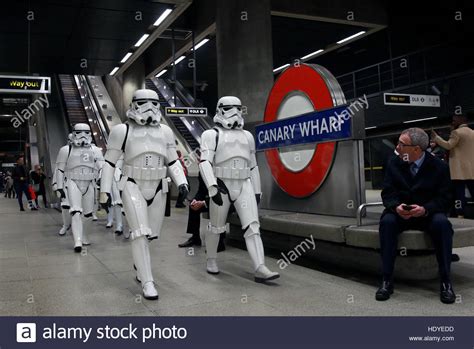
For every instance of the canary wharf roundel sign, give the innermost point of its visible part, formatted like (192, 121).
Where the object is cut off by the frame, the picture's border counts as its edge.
(303, 103)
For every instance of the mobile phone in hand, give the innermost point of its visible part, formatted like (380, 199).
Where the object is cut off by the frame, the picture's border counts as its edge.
(407, 207)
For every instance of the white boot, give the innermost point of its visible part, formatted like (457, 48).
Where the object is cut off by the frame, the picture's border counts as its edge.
(141, 257)
(212, 241)
(63, 230)
(212, 266)
(76, 225)
(118, 220)
(66, 221)
(257, 255)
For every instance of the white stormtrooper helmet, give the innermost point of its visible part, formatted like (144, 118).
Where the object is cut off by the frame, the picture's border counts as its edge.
(81, 135)
(229, 113)
(145, 108)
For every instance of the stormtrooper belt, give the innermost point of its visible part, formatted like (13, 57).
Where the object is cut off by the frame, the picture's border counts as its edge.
(80, 176)
(232, 173)
(144, 174)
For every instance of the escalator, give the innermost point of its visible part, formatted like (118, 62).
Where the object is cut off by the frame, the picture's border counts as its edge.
(190, 128)
(80, 107)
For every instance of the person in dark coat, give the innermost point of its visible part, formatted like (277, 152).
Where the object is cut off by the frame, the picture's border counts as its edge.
(416, 195)
(198, 205)
(20, 183)
(37, 178)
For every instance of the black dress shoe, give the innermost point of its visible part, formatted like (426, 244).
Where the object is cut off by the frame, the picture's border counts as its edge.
(384, 291)
(77, 249)
(191, 242)
(22, 209)
(447, 295)
(455, 257)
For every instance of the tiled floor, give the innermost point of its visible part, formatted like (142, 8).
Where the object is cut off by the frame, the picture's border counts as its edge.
(41, 275)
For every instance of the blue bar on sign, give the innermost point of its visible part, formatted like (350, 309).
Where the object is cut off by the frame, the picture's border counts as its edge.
(314, 127)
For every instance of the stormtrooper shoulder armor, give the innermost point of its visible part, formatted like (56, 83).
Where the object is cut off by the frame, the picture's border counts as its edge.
(209, 144)
(116, 143)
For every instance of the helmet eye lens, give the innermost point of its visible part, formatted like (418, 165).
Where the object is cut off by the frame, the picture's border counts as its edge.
(230, 107)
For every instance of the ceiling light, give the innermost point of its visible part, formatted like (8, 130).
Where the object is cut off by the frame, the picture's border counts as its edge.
(351, 37)
(202, 43)
(114, 71)
(162, 17)
(127, 56)
(418, 120)
(178, 60)
(161, 73)
(312, 54)
(281, 68)
(370, 127)
(141, 40)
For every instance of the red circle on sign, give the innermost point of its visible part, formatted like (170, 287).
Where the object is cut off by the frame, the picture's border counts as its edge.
(305, 182)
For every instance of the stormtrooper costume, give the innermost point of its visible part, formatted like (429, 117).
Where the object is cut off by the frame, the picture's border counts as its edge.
(149, 154)
(229, 169)
(64, 203)
(115, 210)
(78, 167)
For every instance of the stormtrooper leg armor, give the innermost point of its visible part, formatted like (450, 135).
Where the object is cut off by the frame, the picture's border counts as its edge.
(81, 197)
(66, 216)
(246, 207)
(145, 220)
(217, 226)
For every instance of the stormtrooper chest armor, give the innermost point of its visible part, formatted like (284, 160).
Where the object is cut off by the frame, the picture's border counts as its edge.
(81, 164)
(232, 155)
(145, 153)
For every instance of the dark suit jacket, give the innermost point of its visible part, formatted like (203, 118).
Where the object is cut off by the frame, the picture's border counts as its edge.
(202, 193)
(430, 188)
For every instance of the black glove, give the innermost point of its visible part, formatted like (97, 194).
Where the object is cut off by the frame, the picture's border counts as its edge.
(218, 199)
(62, 193)
(258, 197)
(183, 193)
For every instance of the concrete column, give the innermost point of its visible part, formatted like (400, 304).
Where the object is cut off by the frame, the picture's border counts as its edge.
(122, 87)
(244, 54)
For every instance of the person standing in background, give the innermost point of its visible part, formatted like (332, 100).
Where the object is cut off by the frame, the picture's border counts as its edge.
(9, 186)
(37, 178)
(461, 160)
(20, 183)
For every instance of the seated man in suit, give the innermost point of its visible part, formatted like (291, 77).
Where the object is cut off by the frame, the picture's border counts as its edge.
(416, 195)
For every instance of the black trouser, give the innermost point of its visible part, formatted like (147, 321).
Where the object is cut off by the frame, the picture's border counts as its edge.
(194, 222)
(436, 225)
(460, 187)
(20, 188)
(43, 195)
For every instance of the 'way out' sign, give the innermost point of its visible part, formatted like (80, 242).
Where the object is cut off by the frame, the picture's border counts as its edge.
(25, 84)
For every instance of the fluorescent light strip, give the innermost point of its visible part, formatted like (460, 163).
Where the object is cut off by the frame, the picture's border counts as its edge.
(370, 127)
(178, 60)
(312, 54)
(142, 40)
(161, 73)
(126, 57)
(281, 68)
(114, 71)
(162, 17)
(351, 37)
(418, 120)
(202, 43)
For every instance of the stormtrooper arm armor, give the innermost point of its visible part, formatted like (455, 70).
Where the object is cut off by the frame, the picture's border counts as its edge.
(61, 161)
(208, 146)
(175, 169)
(115, 145)
(254, 171)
